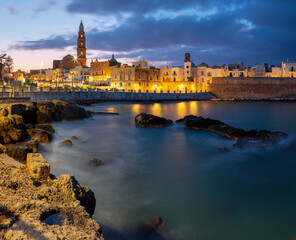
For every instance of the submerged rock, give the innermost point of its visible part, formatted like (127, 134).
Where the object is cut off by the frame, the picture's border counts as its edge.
(154, 229)
(225, 130)
(74, 138)
(66, 143)
(222, 148)
(149, 120)
(95, 162)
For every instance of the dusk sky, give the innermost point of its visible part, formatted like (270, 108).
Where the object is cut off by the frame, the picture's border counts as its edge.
(160, 31)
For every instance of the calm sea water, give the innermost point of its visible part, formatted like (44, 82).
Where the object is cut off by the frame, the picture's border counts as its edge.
(181, 175)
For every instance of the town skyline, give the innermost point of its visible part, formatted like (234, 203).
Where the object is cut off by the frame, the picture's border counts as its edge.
(215, 32)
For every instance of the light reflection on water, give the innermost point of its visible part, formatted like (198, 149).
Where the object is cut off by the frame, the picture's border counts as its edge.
(181, 175)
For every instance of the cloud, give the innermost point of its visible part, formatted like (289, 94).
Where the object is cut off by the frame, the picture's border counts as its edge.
(214, 31)
(12, 9)
(53, 42)
(45, 5)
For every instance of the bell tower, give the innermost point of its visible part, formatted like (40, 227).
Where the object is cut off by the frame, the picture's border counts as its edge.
(81, 48)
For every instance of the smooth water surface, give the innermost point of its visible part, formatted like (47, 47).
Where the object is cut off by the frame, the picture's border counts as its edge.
(180, 174)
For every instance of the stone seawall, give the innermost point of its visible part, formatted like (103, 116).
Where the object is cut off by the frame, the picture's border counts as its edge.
(253, 88)
(80, 95)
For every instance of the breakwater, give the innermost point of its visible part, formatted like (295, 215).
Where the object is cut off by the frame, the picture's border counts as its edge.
(250, 88)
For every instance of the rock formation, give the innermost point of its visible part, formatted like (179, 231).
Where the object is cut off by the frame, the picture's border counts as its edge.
(29, 195)
(23, 123)
(149, 120)
(225, 130)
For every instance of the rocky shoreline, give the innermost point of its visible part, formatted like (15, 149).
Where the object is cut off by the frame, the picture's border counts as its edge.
(33, 203)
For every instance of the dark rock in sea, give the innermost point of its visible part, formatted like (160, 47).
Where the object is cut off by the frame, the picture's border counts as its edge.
(66, 143)
(153, 229)
(74, 138)
(181, 121)
(222, 148)
(149, 120)
(157, 224)
(225, 130)
(95, 162)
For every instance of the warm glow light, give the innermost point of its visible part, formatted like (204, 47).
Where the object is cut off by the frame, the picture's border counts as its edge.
(136, 108)
(156, 109)
(193, 108)
(182, 109)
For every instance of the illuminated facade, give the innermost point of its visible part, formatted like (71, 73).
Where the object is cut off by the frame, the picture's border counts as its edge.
(134, 78)
(101, 71)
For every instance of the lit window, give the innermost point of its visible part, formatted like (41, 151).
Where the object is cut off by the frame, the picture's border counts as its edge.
(81, 35)
(81, 44)
(81, 53)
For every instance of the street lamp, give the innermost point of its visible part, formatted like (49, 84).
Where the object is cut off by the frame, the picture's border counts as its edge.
(72, 76)
(57, 78)
(41, 65)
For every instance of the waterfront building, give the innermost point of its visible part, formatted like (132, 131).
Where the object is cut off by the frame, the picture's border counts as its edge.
(100, 71)
(135, 78)
(288, 69)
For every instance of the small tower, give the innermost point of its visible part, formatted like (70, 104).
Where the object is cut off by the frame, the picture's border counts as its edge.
(187, 66)
(81, 48)
(187, 57)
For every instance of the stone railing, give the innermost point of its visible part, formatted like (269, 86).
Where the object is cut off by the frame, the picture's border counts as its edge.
(99, 95)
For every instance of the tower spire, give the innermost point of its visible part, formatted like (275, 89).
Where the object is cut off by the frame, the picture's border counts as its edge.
(81, 27)
(81, 47)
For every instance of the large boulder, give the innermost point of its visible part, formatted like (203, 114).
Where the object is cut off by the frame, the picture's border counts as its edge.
(70, 111)
(5, 137)
(47, 112)
(17, 135)
(149, 120)
(4, 112)
(46, 127)
(7, 123)
(16, 151)
(41, 136)
(26, 110)
(69, 185)
(37, 166)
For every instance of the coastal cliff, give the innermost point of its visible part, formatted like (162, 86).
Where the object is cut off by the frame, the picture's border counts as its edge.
(33, 203)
